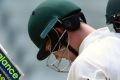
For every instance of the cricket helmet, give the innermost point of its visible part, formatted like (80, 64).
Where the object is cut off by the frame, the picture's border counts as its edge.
(113, 13)
(44, 18)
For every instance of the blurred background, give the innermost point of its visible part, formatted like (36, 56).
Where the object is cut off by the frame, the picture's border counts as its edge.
(14, 17)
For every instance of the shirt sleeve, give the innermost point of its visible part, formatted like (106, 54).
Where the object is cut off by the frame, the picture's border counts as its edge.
(86, 70)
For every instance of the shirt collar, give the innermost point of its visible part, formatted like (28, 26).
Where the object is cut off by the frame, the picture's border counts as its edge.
(97, 34)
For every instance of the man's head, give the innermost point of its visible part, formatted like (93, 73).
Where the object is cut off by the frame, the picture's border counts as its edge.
(113, 14)
(48, 25)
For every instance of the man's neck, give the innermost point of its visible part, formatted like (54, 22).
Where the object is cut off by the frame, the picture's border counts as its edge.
(75, 38)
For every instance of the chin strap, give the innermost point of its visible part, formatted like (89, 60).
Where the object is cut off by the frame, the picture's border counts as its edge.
(73, 50)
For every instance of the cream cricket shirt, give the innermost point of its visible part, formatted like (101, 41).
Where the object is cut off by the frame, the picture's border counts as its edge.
(99, 57)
